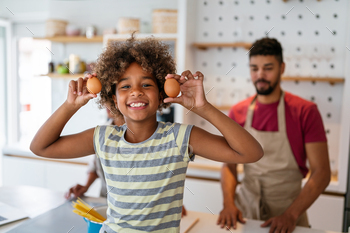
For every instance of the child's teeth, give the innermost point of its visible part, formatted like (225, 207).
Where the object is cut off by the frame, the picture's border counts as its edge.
(137, 104)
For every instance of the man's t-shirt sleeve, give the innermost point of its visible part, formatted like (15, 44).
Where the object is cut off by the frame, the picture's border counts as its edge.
(231, 114)
(312, 125)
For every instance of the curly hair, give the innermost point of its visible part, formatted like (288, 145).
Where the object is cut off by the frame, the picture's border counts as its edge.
(152, 55)
(267, 46)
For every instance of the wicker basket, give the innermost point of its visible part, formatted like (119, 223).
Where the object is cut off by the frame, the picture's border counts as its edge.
(55, 27)
(164, 21)
(128, 25)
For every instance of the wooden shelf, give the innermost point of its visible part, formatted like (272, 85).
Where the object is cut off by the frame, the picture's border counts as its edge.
(331, 80)
(69, 76)
(204, 46)
(72, 39)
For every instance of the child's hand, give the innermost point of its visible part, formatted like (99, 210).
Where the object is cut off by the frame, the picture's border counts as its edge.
(192, 91)
(78, 95)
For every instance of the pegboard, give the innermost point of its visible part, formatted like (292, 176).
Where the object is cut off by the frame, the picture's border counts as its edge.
(313, 37)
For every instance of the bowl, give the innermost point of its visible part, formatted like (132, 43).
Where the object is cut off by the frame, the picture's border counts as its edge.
(72, 30)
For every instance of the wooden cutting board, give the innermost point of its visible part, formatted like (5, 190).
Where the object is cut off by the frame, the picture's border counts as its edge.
(187, 222)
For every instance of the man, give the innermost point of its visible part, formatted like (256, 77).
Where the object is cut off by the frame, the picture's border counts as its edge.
(290, 130)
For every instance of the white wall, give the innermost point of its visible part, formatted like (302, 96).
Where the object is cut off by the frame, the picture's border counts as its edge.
(100, 13)
(2, 91)
(21, 9)
(105, 13)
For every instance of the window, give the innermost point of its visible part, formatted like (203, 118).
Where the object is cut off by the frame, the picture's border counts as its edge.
(34, 91)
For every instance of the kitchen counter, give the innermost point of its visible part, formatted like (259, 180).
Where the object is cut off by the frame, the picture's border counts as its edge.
(41, 204)
(36, 201)
(23, 151)
(207, 224)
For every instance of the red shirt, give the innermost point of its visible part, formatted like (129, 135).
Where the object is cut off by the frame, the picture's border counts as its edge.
(303, 122)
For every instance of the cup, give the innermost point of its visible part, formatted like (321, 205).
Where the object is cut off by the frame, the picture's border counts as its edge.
(94, 227)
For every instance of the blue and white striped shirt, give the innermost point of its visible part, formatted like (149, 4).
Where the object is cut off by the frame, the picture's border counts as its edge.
(145, 181)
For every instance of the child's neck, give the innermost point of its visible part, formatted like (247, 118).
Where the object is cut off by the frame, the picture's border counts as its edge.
(140, 131)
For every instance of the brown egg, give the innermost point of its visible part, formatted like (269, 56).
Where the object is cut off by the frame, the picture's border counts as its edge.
(93, 85)
(172, 87)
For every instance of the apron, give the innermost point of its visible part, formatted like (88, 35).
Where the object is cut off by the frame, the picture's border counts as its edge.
(270, 185)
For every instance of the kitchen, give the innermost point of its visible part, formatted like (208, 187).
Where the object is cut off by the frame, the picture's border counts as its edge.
(211, 36)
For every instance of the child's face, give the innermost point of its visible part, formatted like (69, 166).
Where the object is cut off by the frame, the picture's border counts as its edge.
(137, 94)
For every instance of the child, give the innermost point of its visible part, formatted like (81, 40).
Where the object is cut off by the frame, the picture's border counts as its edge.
(144, 161)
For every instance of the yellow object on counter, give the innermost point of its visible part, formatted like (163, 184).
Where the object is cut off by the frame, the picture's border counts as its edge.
(88, 216)
(83, 209)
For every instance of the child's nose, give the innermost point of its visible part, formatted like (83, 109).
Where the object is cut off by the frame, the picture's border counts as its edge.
(136, 92)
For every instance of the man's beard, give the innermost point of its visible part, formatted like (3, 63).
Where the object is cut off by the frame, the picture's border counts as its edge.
(267, 91)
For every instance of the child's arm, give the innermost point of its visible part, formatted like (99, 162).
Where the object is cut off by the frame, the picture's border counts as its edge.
(48, 142)
(235, 146)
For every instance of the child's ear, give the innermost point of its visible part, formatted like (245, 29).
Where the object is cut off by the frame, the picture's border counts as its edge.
(114, 99)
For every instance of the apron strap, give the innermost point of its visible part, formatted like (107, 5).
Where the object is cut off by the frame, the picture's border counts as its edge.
(281, 116)
(250, 112)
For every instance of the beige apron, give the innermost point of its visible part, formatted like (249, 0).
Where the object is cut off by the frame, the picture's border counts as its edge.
(270, 185)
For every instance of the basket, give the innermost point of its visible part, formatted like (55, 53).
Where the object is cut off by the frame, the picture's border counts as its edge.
(164, 21)
(55, 27)
(128, 25)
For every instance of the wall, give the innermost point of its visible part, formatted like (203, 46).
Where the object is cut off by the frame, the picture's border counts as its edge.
(102, 14)
(105, 14)
(313, 35)
(2, 91)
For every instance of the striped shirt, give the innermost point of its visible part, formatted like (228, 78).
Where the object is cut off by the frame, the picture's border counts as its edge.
(145, 181)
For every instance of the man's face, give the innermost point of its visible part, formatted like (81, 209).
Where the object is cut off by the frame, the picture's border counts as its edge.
(265, 72)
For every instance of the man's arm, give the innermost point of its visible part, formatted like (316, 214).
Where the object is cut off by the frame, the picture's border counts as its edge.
(230, 214)
(317, 154)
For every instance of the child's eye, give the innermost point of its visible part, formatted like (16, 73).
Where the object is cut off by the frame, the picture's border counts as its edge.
(125, 86)
(146, 85)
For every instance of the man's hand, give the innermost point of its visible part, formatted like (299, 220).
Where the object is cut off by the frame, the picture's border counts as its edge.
(229, 217)
(77, 191)
(284, 223)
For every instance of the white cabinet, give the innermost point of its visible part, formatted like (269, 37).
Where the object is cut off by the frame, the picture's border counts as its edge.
(47, 174)
(61, 176)
(203, 196)
(326, 213)
(18, 171)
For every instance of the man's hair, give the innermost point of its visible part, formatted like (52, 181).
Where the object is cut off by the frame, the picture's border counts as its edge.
(267, 46)
(151, 54)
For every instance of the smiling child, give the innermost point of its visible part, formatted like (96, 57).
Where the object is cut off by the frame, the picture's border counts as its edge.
(144, 161)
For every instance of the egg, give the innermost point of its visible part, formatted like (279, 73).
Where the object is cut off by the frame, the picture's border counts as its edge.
(172, 87)
(93, 85)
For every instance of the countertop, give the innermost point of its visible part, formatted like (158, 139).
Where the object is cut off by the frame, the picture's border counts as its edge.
(23, 151)
(207, 224)
(59, 217)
